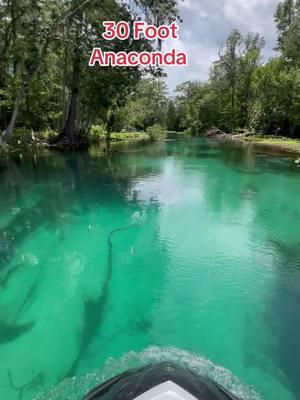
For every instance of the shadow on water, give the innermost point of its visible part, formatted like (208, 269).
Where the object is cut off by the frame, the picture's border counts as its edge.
(18, 229)
(284, 310)
(70, 183)
(22, 226)
(35, 382)
(4, 279)
(75, 183)
(94, 309)
(11, 331)
(240, 157)
(249, 160)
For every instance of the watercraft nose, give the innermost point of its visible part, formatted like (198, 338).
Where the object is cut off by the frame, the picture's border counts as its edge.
(164, 381)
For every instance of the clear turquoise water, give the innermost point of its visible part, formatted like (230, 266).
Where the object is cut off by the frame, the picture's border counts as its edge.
(182, 250)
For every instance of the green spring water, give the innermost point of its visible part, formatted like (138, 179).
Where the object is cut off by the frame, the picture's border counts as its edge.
(183, 250)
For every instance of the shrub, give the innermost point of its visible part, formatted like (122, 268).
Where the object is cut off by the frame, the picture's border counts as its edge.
(97, 133)
(24, 136)
(21, 136)
(127, 135)
(188, 132)
(156, 131)
(46, 134)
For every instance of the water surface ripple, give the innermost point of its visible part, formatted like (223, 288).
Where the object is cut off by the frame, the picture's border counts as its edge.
(184, 250)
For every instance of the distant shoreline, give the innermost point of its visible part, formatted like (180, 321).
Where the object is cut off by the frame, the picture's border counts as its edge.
(280, 145)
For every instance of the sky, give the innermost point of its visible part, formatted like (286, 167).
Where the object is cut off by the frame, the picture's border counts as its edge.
(207, 23)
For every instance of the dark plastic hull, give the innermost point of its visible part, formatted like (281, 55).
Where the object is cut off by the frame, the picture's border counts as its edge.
(134, 383)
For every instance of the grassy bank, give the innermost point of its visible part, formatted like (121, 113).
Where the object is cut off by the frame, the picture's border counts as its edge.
(279, 144)
(25, 139)
(116, 136)
(99, 133)
(275, 142)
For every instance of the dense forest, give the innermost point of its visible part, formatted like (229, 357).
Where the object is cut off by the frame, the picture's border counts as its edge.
(46, 84)
(242, 92)
(47, 89)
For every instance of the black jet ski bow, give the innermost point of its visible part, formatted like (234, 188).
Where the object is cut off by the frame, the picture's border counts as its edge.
(164, 381)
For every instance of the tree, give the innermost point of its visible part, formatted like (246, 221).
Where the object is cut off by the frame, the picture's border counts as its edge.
(196, 103)
(278, 92)
(158, 12)
(172, 119)
(95, 89)
(45, 79)
(146, 106)
(287, 18)
(27, 31)
(248, 63)
(225, 75)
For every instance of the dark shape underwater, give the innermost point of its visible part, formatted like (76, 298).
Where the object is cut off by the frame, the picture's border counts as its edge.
(12, 331)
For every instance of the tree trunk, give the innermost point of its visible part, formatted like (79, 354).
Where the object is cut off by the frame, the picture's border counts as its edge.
(10, 127)
(233, 122)
(14, 35)
(70, 130)
(64, 79)
(22, 90)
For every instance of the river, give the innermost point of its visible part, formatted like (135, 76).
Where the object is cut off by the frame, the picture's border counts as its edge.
(185, 250)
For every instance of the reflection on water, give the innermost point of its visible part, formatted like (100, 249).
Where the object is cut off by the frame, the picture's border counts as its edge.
(286, 300)
(191, 244)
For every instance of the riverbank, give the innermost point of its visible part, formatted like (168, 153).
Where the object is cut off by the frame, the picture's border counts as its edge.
(38, 142)
(23, 139)
(278, 144)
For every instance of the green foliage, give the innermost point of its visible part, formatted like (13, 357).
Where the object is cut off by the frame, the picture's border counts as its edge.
(196, 104)
(231, 78)
(159, 12)
(287, 18)
(255, 117)
(21, 136)
(45, 80)
(146, 106)
(46, 134)
(134, 113)
(128, 135)
(244, 94)
(156, 131)
(172, 117)
(188, 132)
(97, 133)
(46, 85)
(25, 137)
